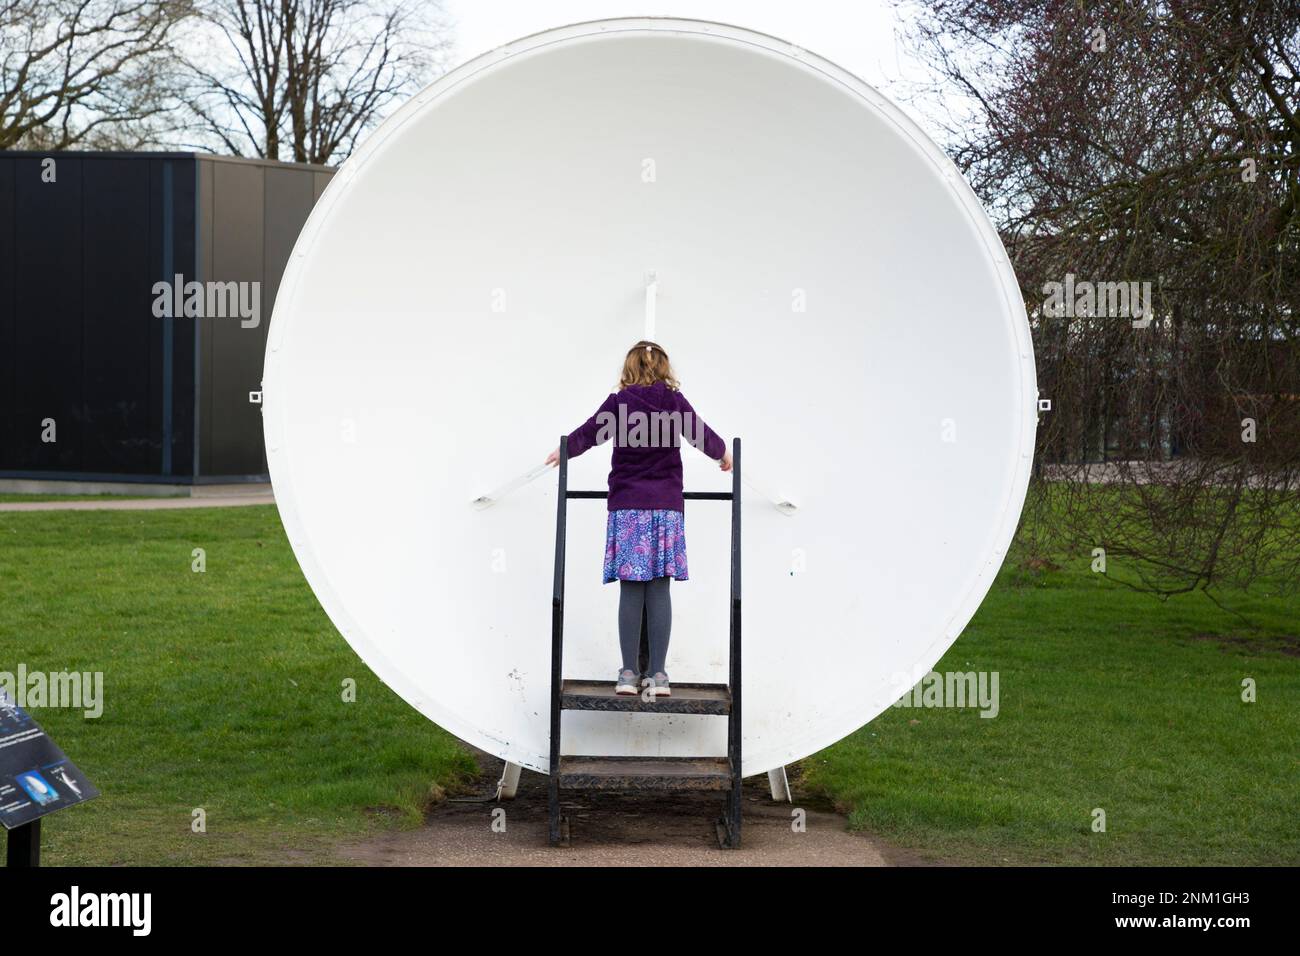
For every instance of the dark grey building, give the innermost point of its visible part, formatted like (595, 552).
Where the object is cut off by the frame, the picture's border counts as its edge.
(111, 369)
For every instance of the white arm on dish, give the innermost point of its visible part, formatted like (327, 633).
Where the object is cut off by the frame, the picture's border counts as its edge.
(496, 494)
(780, 502)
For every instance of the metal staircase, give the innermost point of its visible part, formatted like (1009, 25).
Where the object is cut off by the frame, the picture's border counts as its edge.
(667, 774)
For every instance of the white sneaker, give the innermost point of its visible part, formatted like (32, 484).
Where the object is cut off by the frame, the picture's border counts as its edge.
(658, 685)
(625, 685)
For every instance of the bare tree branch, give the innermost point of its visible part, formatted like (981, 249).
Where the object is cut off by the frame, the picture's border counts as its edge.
(308, 77)
(84, 72)
(1153, 142)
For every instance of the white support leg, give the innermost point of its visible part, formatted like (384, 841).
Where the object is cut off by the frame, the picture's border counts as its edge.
(780, 784)
(509, 784)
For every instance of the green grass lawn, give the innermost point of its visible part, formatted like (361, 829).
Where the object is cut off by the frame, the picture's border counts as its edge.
(224, 692)
(1110, 699)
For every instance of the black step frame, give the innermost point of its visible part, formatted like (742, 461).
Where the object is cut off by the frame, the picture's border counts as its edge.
(729, 824)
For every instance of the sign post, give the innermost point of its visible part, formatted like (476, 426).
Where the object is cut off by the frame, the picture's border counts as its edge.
(25, 845)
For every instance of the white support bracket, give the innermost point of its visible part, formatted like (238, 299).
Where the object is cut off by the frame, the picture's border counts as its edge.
(780, 502)
(514, 484)
(651, 300)
(780, 785)
(508, 786)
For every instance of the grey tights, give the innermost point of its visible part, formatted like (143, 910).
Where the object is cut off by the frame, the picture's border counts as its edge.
(651, 595)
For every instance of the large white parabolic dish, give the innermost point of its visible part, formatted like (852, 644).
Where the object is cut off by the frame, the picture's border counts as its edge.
(829, 289)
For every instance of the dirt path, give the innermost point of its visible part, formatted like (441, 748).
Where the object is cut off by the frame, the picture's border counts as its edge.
(622, 830)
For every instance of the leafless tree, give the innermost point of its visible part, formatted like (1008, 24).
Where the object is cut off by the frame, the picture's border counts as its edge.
(1148, 141)
(84, 72)
(305, 78)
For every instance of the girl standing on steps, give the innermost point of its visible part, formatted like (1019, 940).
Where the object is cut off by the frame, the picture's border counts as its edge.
(645, 534)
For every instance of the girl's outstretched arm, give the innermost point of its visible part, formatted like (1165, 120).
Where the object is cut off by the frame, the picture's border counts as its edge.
(697, 432)
(591, 432)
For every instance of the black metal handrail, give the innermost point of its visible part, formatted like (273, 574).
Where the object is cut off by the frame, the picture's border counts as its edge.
(688, 495)
(557, 641)
(733, 679)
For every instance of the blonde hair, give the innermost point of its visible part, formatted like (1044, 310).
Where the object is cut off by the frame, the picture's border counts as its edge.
(646, 364)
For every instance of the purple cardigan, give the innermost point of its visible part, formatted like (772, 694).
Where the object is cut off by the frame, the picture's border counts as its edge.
(648, 424)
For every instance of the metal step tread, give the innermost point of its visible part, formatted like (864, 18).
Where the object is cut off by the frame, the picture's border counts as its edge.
(712, 699)
(645, 773)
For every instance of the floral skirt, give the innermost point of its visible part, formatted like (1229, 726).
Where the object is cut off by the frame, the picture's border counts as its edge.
(641, 544)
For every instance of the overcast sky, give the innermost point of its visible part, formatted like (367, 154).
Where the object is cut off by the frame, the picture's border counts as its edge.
(863, 36)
